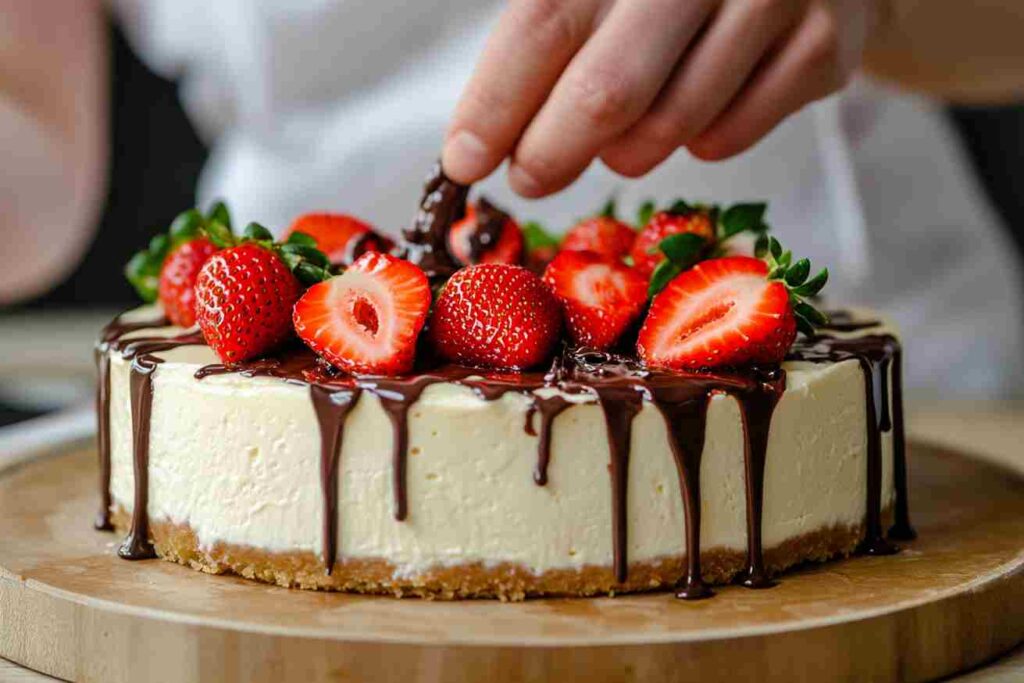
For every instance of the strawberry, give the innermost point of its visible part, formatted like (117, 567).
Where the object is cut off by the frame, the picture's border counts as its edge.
(367, 319)
(496, 316)
(244, 300)
(343, 238)
(486, 234)
(712, 224)
(601, 234)
(176, 289)
(731, 311)
(646, 256)
(601, 296)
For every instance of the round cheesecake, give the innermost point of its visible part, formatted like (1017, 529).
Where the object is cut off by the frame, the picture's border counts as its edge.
(593, 476)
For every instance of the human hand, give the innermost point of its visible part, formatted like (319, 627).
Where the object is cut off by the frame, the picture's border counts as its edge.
(561, 82)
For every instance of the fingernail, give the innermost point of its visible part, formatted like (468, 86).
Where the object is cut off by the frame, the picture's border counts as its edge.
(523, 183)
(465, 157)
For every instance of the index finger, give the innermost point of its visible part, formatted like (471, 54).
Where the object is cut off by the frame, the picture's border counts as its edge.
(528, 50)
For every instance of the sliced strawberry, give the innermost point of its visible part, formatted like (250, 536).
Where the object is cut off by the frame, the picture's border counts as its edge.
(645, 252)
(496, 316)
(244, 300)
(367, 319)
(343, 238)
(486, 235)
(721, 312)
(601, 296)
(177, 287)
(602, 235)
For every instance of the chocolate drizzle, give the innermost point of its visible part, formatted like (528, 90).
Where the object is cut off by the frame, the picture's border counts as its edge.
(425, 243)
(490, 220)
(620, 384)
(756, 409)
(332, 408)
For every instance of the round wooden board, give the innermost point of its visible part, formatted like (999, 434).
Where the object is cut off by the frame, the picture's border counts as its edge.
(951, 600)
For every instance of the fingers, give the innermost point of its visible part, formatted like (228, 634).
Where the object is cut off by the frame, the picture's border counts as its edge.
(808, 67)
(606, 87)
(528, 50)
(704, 83)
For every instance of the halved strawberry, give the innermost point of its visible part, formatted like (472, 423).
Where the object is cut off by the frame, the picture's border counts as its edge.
(645, 252)
(486, 234)
(177, 287)
(602, 235)
(496, 315)
(730, 311)
(601, 296)
(367, 319)
(343, 238)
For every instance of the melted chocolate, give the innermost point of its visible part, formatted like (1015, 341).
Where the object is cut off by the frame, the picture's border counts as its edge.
(620, 384)
(332, 408)
(843, 321)
(875, 353)
(756, 409)
(425, 243)
(490, 220)
(110, 339)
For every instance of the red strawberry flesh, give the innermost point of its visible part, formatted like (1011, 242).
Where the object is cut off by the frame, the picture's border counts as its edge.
(367, 319)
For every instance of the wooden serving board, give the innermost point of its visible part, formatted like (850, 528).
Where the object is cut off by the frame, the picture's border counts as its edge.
(953, 599)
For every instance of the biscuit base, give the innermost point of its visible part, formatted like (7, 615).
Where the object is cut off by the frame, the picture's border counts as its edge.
(504, 581)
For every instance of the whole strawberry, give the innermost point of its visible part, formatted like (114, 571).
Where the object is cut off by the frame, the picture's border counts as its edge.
(645, 252)
(244, 300)
(495, 316)
(177, 287)
(486, 235)
(601, 296)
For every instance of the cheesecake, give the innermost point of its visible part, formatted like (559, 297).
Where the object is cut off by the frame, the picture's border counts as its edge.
(602, 469)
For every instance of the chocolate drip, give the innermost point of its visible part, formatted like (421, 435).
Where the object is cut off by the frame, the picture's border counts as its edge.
(109, 340)
(902, 529)
(490, 220)
(396, 397)
(548, 408)
(620, 404)
(756, 409)
(332, 408)
(843, 321)
(426, 242)
(685, 414)
(875, 354)
(137, 545)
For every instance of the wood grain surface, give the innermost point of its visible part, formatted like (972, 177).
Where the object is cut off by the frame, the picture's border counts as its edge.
(952, 600)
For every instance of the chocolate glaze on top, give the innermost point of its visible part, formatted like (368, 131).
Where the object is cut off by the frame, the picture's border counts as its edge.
(620, 386)
(425, 243)
(490, 220)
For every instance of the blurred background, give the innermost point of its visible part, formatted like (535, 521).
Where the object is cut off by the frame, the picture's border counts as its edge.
(155, 160)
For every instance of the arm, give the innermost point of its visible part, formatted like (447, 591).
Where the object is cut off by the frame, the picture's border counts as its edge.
(960, 51)
(53, 132)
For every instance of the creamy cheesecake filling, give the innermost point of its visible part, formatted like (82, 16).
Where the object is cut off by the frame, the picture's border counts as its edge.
(495, 473)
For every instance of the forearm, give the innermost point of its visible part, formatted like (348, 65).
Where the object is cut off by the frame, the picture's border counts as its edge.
(958, 51)
(52, 139)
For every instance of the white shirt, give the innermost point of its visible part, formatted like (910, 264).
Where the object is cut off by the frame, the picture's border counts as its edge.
(342, 104)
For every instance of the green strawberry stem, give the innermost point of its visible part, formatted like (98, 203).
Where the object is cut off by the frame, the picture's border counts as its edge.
(299, 251)
(795, 278)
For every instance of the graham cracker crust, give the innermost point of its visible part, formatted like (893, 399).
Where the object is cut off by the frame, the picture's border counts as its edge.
(505, 581)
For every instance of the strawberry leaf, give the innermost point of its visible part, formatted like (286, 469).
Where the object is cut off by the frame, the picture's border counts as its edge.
(794, 278)
(643, 216)
(798, 273)
(536, 237)
(761, 246)
(186, 225)
(310, 274)
(219, 213)
(681, 208)
(219, 234)
(812, 286)
(742, 218)
(664, 273)
(608, 211)
(301, 238)
(258, 233)
(683, 249)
